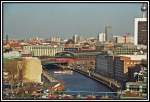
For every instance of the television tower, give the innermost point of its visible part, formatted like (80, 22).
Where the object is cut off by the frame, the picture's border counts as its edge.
(144, 10)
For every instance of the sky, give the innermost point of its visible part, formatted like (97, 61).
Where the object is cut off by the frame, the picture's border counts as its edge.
(28, 20)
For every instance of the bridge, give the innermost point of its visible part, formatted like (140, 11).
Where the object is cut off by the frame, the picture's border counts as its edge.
(68, 57)
(84, 94)
(60, 58)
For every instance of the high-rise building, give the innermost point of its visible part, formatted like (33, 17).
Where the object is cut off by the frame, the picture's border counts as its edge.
(101, 37)
(75, 38)
(104, 65)
(108, 35)
(122, 64)
(141, 28)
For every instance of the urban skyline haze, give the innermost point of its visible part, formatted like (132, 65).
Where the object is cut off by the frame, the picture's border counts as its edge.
(27, 20)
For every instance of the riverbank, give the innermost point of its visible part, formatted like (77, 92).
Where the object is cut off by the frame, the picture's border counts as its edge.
(108, 82)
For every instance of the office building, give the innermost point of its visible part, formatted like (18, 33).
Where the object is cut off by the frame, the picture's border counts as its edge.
(122, 64)
(76, 38)
(104, 65)
(101, 37)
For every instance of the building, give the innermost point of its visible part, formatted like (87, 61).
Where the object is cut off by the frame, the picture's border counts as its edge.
(141, 28)
(122, 64)
(75, 38)
(136, 86)
(140, 31)
(108, 34)
(22, 70)
(69, 43)
(87, 59)
(116, 66)
(12, 54)
(123, 39)
(105, 47)
(125, 50)
(101, 37)
(55, 39)
(104, 65)
(72, 49)
(137, 73)
(41, 50)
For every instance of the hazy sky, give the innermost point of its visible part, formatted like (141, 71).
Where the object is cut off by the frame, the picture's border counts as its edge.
(25, 20)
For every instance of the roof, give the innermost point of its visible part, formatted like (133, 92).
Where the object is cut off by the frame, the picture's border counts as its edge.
(88, 53)
(136, 57)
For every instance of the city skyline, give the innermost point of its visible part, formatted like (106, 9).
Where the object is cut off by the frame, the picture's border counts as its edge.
(28, 20)
(75, 51)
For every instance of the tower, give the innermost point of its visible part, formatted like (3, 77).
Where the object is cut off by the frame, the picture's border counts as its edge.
(101, 37)
(106, 32)
(75, 38)
(144, 10)
(141, 27)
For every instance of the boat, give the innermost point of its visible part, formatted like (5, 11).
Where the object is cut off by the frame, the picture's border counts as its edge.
(64, 72)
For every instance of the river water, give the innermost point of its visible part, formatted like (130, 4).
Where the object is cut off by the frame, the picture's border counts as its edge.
(78, 83)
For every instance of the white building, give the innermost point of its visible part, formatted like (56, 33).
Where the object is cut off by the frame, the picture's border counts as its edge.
(136, 57)
(12, 54)
(101, 37)
(41, 50)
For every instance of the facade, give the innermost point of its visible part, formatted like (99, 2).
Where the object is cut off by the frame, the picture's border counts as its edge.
(27, 69)
(132, 71)
(104, 65)
(87, 59)
(124, 50)
(75, 38)
(117, 66)
(122, 64)
(55, 39)
(41, 50)
(12, 54)
(105, 47)
(72, 49)
(123, 39)
(136, 86)
(140, 31)
(101, 37)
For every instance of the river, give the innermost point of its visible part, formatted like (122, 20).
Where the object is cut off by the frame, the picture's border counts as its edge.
(78, 83)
